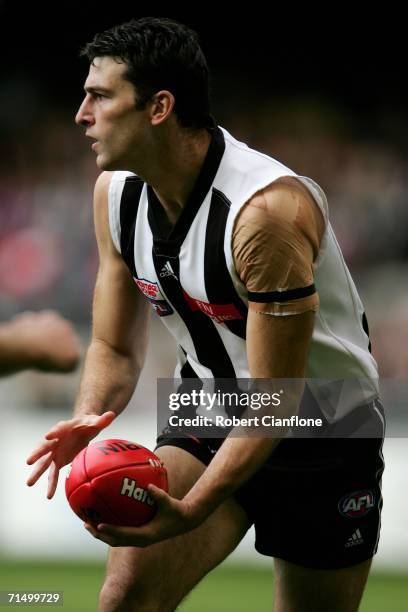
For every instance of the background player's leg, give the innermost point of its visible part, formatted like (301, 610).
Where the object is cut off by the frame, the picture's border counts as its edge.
(156, 578)
(299, 589)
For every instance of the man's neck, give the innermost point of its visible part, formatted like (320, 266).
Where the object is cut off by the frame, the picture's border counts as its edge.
(174, 177)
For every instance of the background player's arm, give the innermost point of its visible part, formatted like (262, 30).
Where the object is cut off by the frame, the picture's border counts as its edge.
(41, 340)
(114, 359)
(117, 350)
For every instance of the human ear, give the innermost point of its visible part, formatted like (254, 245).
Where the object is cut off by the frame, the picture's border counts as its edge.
(161, 107)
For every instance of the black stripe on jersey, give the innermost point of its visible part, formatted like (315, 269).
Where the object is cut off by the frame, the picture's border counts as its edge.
(218, 283)
(187, 371)
(367, 331)
(281, 296)
(167, 239)
(129, 205)
(209, 347)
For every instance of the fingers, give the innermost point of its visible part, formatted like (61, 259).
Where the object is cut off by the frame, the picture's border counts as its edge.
(95, 422)
(101, 536)
(58, 430)
(106, 419)
(39, 470)
(43, 449)
(121, 536)
(52, 480)
(54, 445)
(91, 420)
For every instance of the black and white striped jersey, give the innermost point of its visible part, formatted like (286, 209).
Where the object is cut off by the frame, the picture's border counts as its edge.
(188, 275)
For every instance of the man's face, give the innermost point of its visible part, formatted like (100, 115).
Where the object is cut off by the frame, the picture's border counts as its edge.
(110, 116)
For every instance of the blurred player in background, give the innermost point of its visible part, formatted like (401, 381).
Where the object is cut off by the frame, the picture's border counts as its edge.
(38, 340)
(234, 252)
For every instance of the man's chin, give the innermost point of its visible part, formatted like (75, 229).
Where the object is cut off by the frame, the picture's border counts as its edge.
(106, 164)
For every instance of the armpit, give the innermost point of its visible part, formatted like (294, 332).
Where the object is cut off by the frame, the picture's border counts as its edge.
(275, 241)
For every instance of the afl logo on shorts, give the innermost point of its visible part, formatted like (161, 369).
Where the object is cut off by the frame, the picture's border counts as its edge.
(356, 504)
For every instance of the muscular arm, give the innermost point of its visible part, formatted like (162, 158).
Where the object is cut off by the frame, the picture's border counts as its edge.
(276, 258)
(120, 324)
(277, 348)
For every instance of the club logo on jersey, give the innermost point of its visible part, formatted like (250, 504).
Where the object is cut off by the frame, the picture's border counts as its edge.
(220, 313)
(152, 292)
(356, 504)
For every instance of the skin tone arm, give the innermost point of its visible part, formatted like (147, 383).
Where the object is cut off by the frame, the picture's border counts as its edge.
(120, 325)
(38, 340)
(277, 347)
(114, 359)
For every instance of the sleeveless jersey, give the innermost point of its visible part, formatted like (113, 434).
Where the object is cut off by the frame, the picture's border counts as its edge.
(189, 277)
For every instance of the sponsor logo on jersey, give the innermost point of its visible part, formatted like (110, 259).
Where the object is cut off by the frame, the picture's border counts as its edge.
(356, 504)
(220, 313)
(152, 292)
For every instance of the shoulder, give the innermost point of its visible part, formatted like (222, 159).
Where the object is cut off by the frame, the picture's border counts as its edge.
(101, 206)
(102, 186)
(107, 181)
(284, 205)
(282, 200)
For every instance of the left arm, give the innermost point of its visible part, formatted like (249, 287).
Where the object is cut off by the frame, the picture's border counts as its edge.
(277, 347)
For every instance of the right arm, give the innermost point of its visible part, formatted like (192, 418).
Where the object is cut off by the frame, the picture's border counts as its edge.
(117, 350)
(114, 359)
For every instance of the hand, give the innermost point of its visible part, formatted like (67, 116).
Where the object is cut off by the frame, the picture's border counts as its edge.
(173, 517)
(45, 340)
(62, 443)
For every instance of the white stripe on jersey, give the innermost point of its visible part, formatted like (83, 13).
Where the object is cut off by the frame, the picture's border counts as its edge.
(116, 186)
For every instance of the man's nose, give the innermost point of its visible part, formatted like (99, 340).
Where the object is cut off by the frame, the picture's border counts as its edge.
(84, 116)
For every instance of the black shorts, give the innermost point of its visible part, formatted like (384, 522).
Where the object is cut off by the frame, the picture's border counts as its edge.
(315, 502)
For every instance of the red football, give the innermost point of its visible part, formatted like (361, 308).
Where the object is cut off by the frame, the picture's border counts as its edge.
(108, 482)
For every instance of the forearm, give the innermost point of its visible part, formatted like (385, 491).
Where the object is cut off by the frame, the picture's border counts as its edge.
(108, 380)
(277, 349)
(15, 354)
(236, 461)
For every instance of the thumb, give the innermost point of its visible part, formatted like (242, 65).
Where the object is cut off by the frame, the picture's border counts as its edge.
(105, 419)
(158, 495)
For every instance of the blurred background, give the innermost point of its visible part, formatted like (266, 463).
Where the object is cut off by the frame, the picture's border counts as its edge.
(326, 96)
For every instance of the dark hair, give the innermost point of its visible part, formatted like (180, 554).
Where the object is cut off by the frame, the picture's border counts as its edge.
(160, 54)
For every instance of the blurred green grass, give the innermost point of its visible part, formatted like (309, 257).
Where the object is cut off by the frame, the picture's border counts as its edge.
(230, 588)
